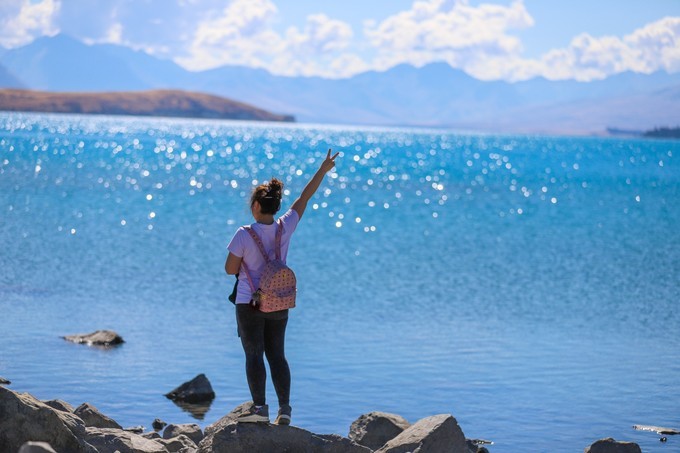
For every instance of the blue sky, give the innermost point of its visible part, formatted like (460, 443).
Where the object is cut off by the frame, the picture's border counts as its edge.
(493, 39)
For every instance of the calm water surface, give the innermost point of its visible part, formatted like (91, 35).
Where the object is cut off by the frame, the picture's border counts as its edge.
(526, 285)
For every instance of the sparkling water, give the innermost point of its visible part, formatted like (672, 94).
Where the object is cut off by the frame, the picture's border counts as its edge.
(527, 285)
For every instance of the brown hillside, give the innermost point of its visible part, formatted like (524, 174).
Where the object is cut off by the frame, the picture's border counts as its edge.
(173, 103)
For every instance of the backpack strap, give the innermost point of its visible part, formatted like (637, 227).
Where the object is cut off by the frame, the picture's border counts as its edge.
(279, 234)
(250, 279)
(258, 241)
(260, 246)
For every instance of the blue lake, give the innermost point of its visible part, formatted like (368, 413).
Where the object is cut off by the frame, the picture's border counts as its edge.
(527, 285)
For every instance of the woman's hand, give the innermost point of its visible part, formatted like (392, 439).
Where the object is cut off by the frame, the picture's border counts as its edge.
(329, 162)
(301, 203)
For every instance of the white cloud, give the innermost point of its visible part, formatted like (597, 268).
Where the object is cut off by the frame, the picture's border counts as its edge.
(321, 35)
(243, 34)
(654, 47)
(658, 45)
(318, 49)
(114, 34)
(26, 20)
(481, 39)
(446, 30)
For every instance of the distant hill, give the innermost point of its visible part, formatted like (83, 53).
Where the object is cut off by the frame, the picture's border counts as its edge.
(171, 103)
(433, 95)
(663, 132)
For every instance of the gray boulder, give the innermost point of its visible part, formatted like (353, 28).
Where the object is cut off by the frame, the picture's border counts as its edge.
(374, 429)
(436, 434)
(109, 440)
(93, 418)
(197, 390)
(25, 419)
(158, 424)
(228, 436)
(60, 405)
(99, 338)
(36, 447)
(192, 431)
(609, 445)
(179, 444)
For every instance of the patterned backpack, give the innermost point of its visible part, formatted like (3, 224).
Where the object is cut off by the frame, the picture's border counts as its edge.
(278, 283)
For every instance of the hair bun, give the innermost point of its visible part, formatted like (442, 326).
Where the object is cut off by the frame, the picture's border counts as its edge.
(275, 188)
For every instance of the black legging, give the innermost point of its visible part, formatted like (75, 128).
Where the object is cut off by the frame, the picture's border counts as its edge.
(264, 334)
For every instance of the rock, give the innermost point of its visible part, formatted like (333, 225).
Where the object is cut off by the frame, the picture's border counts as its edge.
(609, 445)
(374, 429)
(93, 418)
(36, 447)
(179, 444)
(436, 434)
(4, 381)
(158, 424)
(192, 431)
(60, 405)
(109, 440)
(475, 445)
(98, 338)
(197, 390)
(657, 429)
(135, 429)
(25, 418)
(152, 435)
(227, 436)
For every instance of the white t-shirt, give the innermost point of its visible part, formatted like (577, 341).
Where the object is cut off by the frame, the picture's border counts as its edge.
(243, 246)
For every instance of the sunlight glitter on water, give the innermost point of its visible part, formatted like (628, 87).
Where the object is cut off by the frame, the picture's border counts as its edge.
(461, 243)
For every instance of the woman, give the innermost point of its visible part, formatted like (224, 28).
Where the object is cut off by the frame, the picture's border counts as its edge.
(264, 333)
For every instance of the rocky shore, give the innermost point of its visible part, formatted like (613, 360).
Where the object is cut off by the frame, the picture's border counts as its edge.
(28, 425)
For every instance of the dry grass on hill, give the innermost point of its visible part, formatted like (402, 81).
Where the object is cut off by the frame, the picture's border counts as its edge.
(173, 103)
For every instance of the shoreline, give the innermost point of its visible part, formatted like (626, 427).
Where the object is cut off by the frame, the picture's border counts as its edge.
(85, 429)
(31, 425)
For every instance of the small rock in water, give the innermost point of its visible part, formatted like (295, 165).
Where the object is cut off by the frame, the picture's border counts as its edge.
(4, 381)
(98, 338)
(475, 445)
(657, 429)
(158, 424)
(197, 390)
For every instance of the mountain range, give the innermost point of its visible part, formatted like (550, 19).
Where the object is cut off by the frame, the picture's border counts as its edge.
(435, 95)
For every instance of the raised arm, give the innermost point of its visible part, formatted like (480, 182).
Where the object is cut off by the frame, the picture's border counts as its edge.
(301, 203)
